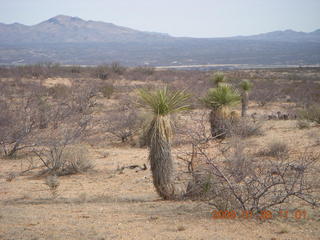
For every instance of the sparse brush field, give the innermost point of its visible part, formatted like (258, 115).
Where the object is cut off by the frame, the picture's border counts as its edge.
(115, 153)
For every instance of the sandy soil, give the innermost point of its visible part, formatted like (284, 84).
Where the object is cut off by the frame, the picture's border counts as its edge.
(50, 82)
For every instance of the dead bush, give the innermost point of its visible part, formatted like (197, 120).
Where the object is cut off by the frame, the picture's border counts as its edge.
(102, 72)
(311, 113)
(30, 118)
(18, 124)
(238, 181)
(122, 122)
(205, 186)
(75, 69)
(117, 68)
(244, 128)
(265, 92)
(59, 91)
(65, 160)
(58, 150)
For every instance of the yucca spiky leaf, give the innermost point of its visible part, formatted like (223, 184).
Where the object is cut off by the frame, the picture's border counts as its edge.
(223, 95)
(164, 102)
(218, 78)
(246, 85)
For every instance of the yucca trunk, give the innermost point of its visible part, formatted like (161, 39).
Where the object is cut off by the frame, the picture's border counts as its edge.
(160, 156)
(219, 122)
(244, 101)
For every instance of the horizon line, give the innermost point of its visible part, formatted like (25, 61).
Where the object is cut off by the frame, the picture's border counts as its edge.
(171, 35)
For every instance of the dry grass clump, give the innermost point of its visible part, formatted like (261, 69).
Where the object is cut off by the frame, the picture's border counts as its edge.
(53, 183)
(276, 148)
(303, 124)
(65, 160)
(77, 160)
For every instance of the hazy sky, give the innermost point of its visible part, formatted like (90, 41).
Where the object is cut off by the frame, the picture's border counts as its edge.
(194, 18)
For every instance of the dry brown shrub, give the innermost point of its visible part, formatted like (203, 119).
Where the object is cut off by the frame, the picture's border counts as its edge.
(232, 178)
(65, 160)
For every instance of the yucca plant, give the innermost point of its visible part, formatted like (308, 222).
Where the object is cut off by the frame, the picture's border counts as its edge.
(218, 78)
(245, 86)
(219, 100)
(162, 104)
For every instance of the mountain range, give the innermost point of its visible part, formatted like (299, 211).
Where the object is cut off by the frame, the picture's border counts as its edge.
(71, 40)
(65, 29)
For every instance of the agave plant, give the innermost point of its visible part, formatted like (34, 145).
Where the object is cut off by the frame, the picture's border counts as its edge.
(162, 104)
(245, 86)
(219, 100)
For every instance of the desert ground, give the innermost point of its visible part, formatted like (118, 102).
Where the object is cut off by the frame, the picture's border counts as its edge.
(113, 201)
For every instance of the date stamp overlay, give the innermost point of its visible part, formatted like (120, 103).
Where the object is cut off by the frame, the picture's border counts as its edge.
(263, 215)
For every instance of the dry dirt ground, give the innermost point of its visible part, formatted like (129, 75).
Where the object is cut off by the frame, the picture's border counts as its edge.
(107, 204)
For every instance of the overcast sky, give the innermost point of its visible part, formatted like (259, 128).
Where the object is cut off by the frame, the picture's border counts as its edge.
(194, 18)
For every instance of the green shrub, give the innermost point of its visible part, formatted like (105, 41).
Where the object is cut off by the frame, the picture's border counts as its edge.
(107, 90)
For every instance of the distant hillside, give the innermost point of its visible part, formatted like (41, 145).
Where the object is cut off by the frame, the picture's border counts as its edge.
(71, 40)
(65, 29)
(287, 36)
